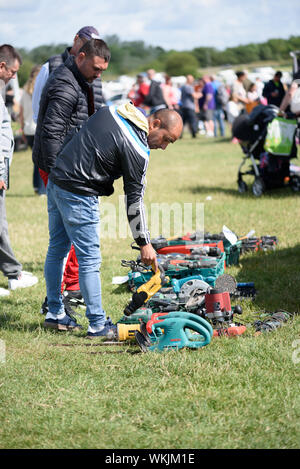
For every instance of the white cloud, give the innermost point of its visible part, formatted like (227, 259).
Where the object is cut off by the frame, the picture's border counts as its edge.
(16, 4)
(178, 24)
(8, 29)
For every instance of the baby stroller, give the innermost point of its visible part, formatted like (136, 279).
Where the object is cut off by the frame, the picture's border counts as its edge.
(270, 166)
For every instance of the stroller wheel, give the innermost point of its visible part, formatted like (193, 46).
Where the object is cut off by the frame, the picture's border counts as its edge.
(258, 187)
(295, 183)
(242, 187)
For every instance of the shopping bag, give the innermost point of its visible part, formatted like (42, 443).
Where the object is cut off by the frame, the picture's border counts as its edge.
(280, 136)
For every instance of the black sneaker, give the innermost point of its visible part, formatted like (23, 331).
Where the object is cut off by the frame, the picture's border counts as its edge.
(44, 308)
(74, 297)
(68, 308)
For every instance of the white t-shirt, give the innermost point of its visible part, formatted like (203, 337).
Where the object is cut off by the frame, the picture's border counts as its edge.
(39, 84)
(232, 111)
(29, 124)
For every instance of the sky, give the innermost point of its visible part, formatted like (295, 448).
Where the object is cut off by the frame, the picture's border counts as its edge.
(171, 24)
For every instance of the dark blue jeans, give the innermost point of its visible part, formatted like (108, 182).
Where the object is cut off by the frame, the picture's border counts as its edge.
(219, 119)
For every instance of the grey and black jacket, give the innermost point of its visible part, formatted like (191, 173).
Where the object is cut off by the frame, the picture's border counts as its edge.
(107, 147)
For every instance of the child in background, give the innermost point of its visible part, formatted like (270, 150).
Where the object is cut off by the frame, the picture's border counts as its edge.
(253, 98)
(232, 111)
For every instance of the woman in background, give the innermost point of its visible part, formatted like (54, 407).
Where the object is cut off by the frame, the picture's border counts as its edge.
(169, 93)
(28, 126)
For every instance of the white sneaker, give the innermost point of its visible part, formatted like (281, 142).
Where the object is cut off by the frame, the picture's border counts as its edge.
(4, 292)
(25, 279)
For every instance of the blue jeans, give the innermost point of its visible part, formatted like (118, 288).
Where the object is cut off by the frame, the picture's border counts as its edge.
(219, 117)
(74, 219)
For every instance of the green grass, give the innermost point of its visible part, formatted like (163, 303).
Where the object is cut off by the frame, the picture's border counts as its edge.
(58, 391)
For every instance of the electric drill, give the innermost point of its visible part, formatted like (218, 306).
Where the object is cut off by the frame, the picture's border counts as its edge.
(146, 291)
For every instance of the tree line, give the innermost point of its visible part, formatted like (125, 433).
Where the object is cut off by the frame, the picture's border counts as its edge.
(129, 57)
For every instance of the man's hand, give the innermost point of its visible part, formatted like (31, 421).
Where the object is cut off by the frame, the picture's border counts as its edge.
(148, 255)
(3, 185)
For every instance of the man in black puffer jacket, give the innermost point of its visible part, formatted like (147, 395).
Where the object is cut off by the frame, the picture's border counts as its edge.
(67, 101)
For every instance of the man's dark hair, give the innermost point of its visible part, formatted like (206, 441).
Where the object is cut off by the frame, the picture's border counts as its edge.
(8, 54)
(240, 74)
(96, 47)
(278, 74)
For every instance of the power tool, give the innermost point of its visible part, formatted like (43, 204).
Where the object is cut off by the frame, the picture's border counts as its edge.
(146, 291)
(180, 329)
(219, 313)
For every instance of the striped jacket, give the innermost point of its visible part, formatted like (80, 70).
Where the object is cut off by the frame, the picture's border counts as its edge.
(107, 147)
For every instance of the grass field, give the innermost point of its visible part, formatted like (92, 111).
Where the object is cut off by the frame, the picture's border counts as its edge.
(57, 391)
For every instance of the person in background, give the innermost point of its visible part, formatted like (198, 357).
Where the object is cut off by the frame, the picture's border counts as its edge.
(290, 93)
(232, 111)
(169, 93)
(198, 87)
(28, 125)
(218, 116)
(246, 82)
(187, 109)
(139, 91)
(253, 99)
(10, 62)
(259, 86)
(208, 106)
(274, 90)
(239, 92)
(154, 99)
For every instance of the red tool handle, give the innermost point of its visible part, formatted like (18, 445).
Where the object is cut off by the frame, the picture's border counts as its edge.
(154, 319)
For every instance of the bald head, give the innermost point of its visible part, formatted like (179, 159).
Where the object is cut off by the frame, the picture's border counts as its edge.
(165, 126)
(189, 79)
(168, 117)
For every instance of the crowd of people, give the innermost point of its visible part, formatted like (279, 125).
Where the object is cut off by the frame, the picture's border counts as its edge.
(80, 146)
(206, 103)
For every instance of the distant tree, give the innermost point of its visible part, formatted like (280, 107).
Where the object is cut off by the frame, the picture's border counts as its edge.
(280, 48)
(206, 56)
(41, 54)
(181, 63)
(130, 57)
(294, 43)
(265, 52)
(24, 71)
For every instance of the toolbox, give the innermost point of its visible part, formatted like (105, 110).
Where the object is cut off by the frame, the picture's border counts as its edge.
(207, 274)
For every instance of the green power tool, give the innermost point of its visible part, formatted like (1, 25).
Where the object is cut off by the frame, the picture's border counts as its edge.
(180, 329)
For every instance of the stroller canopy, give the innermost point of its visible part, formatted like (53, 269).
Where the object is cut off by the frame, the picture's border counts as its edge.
(248, 127)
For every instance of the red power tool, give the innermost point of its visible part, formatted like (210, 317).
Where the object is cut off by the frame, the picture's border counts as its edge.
(218, 311)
